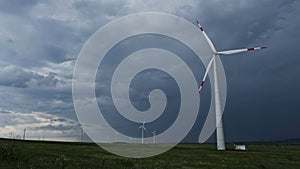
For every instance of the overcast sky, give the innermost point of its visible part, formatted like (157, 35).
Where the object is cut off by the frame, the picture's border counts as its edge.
(40, 41)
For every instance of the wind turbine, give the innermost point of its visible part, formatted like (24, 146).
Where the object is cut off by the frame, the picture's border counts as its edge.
(82, 126)
(24, 133)
(82, 133)
(115, 139)
(142, 127)
(154, 136)
(217, 101)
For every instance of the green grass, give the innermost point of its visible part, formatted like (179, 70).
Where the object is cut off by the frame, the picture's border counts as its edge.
(15, 154)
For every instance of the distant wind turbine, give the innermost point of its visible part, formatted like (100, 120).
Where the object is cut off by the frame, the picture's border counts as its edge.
(24, 134)
(11, 135)
(142, 127)
(82, 133)
(115, 139)
(154, 136)
(216, 91)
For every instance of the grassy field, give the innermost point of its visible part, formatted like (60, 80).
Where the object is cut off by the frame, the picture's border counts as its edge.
(15, 154)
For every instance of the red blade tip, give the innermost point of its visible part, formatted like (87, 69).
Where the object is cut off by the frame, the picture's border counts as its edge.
(202, 83)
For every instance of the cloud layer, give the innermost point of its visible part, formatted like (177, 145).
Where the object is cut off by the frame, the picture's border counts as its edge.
(40, 41)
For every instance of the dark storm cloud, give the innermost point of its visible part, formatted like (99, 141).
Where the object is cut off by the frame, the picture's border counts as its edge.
(16, 6)
(17, 77)
(4, 111)
(108, 8)
(54, 127)
(240, 23)
(59, 119)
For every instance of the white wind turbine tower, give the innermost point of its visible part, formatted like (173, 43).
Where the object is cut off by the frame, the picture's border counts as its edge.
(154, 136)
(217, 101)
(24, 133)
(142, 127)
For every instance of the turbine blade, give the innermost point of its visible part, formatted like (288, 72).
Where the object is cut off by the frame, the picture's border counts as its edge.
(206, 73)
(207, 38)
(229, 52)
